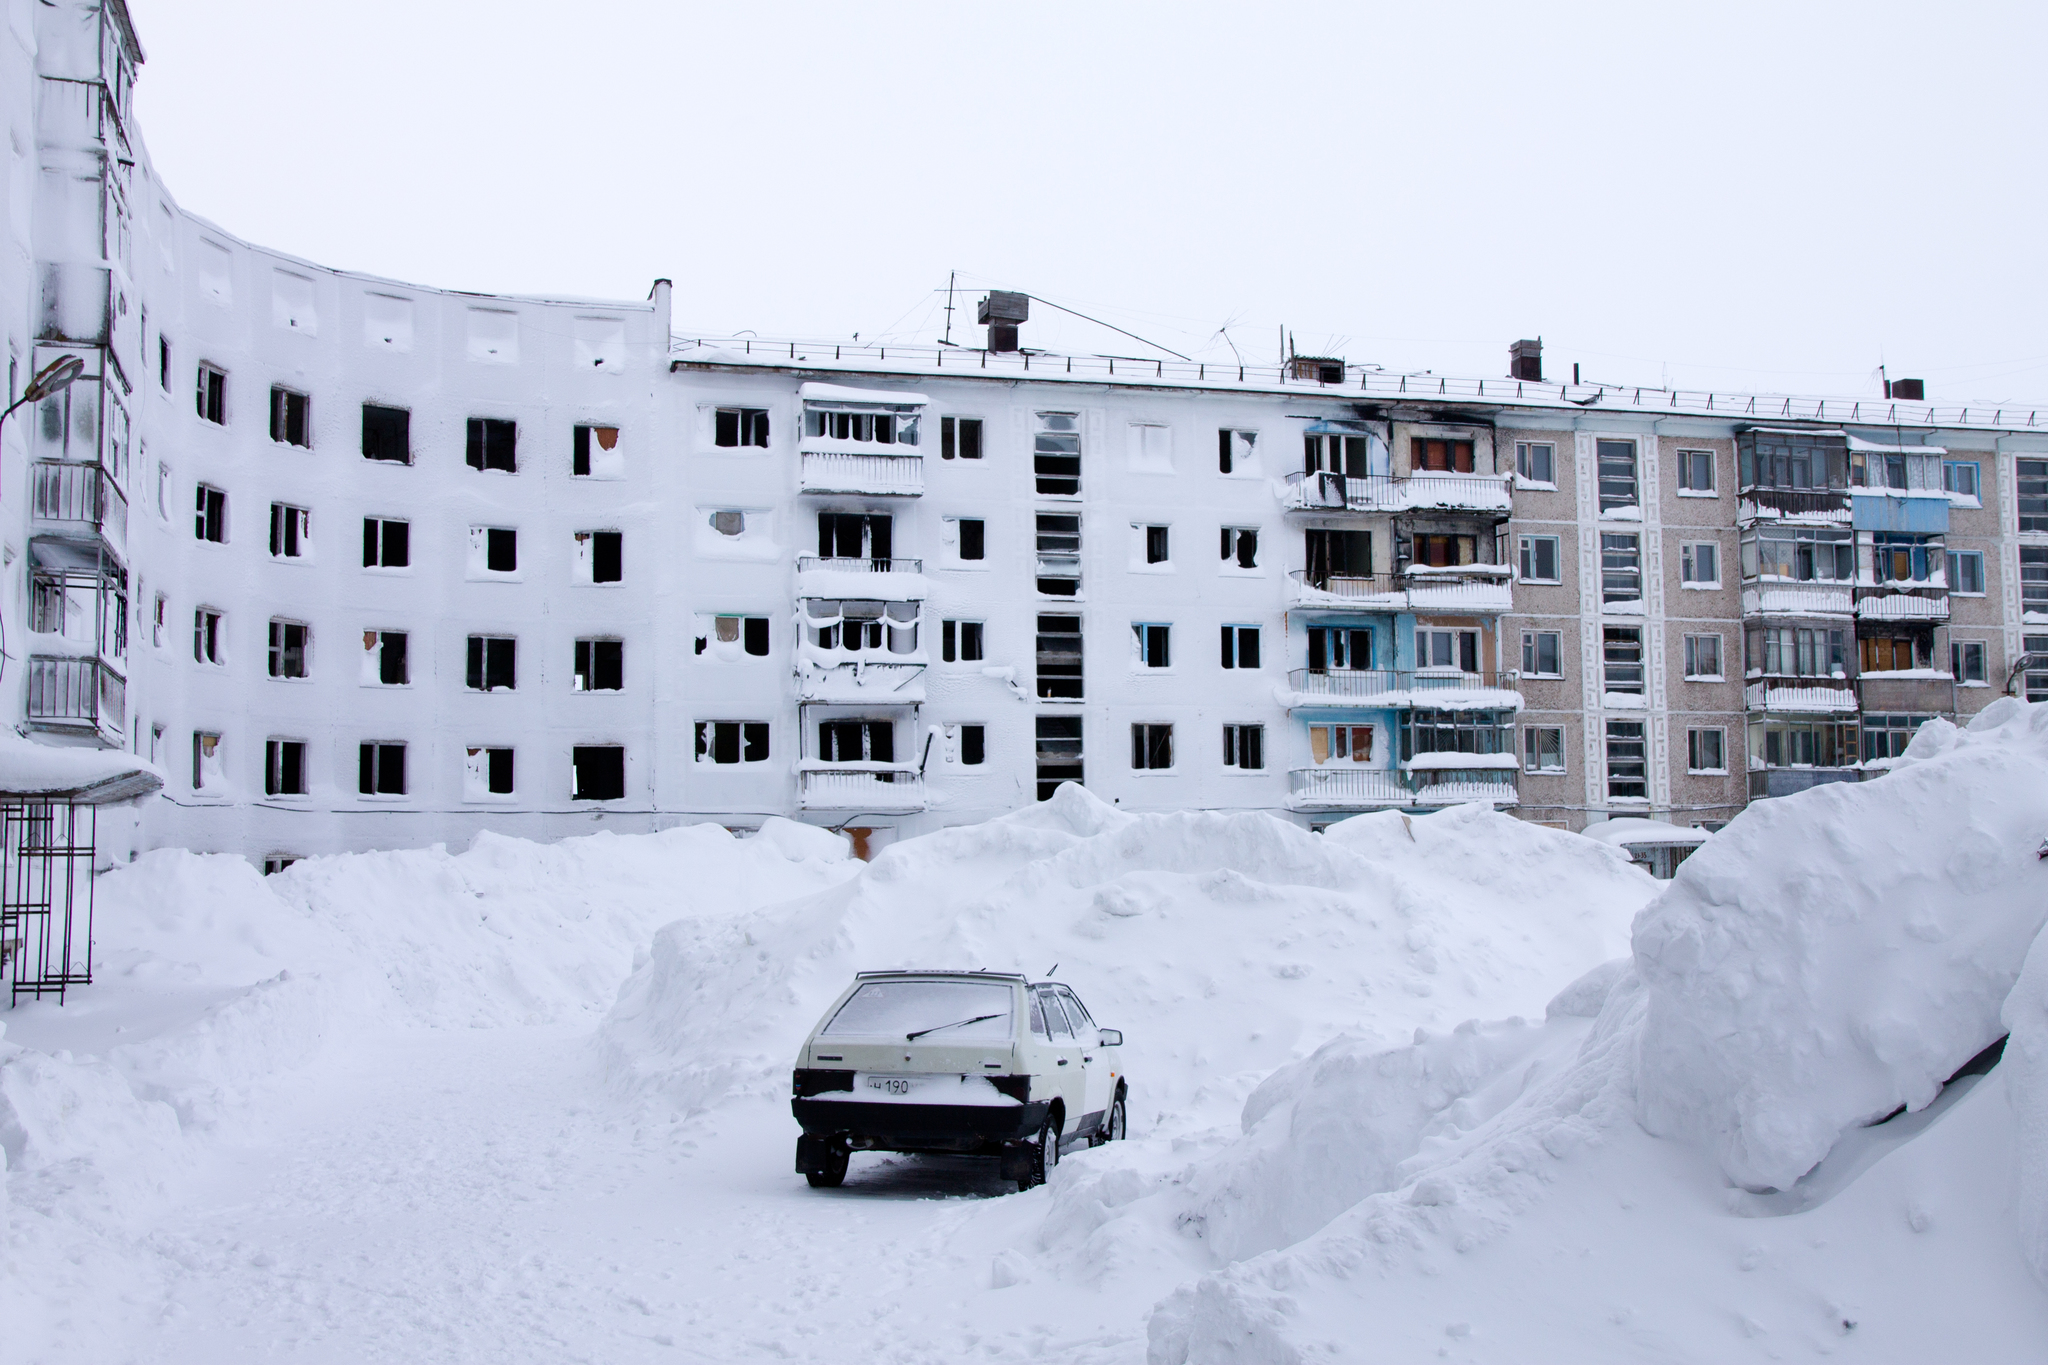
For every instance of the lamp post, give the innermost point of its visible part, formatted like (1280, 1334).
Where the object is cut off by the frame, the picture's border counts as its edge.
(54, 377)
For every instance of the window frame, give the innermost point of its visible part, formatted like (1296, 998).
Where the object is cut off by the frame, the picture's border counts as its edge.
(291, 531)
(384, 423)
(1976, 480)
(1527, 549)
(1688, 565)
(280, 654)
(276, 768)
(1148, 638)
(584, 667)
(953, 442)
(371, 757)
(381, 538)
(1240, 740)
(751, 427)
(1151, 741)
(1686, 468)
(1232, 652)
(283, 417)
(1960, 653)
(1533, 746)
(1532, 653)
(211, 393)
(1956, 561)
(1525, 462)
(1695, 741)
(491, 445)
(210, 519)
(1692, 652)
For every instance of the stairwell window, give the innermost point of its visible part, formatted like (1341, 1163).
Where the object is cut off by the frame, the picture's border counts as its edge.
(1621, 567)
(288, 642)
(211, 519)
(1623, 660)
(1627, 761)
(1617, 474)
(1244, 747)
(1059, 643)
(1151, 747)
(289, 424)
(213, 395)
(493, 444)
(1056, 454)
(380, 769)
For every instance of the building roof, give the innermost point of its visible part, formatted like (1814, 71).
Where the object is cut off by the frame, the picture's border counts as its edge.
(95, 777)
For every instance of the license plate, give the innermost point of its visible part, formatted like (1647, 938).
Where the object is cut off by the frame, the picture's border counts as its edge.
(895, 1085)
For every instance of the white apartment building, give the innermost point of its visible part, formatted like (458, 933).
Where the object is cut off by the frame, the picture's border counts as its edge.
(360, 563)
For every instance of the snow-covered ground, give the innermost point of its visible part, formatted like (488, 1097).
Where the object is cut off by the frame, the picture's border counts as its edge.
(1400, 1091)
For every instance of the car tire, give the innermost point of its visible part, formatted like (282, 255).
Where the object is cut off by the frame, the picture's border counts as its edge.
(834, 1173)
(1045, 1154)
(1118, 1126)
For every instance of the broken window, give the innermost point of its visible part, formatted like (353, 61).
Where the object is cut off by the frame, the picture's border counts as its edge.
(1151, 746)
(209, 645)
(973, 538)
(384, 658)
(598, 772)
(1059, 554)
(732, 741)
(1703, 656)
(1543, 749)
(387, 543)
(1623, 659)
(163, 362)
(160, 618)
(1440, 455)
(601, 555)
(486, 773)
(288, 648)
(857, 741)
(740, 427)
(600, 666)
(594, 453)
(1058, 752)
(1541, 655)
(380, 769)
(1056, 454)
(960, 641)
(749, 632)
(206, 762)
(1539, 559)
(1242, 544)
(1339, 647)
(1234, 450)
(493, 663)
(493, 549)
(1621, 567)
(729, 523)
(211, 521)
(492, 442)
(284, 767)
(973, 745)
(1240, 646)
(1154, 644)
(288, 421)
(1340, 743)
(866, 427)
(1244, 746)
(387, 433)
(291, 531)
(1337, 554)
(213, 395)
(1706, 751)
(1059, 658)
(1157, 544)
(1617, 473)
(1628, 768)
(856, 535)
(1335, 453)
(960, 437)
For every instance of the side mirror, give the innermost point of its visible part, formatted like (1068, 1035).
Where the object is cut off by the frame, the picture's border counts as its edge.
(1110, 1037)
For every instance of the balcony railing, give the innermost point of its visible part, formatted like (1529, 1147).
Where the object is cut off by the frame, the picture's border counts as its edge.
(82, 495)
(835, 564)
(77, 694)
(884, 475)
(859, 679)
(1397, 493)
(1779, 597)
(1366, 592)
(1345, 786)
(1475, 588)
(881, 790)
(1824, 504)
(1801, 696)
(1440, 689)
(1902, 601)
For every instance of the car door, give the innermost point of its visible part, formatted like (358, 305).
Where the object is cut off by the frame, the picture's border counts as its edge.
(1098, 1063)
(1068, 1073)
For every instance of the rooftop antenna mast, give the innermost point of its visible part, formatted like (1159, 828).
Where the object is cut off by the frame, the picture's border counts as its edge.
(951, 275)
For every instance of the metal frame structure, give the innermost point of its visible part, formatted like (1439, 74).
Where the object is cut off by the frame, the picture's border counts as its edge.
(46, 878)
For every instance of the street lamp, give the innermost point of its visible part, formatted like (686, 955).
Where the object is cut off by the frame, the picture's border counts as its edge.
(54, 377)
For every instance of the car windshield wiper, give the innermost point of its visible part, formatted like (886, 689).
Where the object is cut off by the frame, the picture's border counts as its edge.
(957, 1023)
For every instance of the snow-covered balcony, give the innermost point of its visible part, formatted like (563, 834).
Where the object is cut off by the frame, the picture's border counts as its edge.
(894, 580)
(861, 441)
(821, 677)
(78, 696)
(1465, 589)
(77, 500)
(1396, 492)
(1436, 689)
(1912, 690)
(1829, 505)
(867, 788)
(845, 471)
(1790, 597)
(1902, 602)
(1342, 786)
(1346, 592)
(1801, 696)
(1454, 779)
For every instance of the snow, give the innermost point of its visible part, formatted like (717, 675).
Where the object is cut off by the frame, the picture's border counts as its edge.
(93, 775)
(1501, 761)
(1450, 1086)
(1628, 832)
(839, 393)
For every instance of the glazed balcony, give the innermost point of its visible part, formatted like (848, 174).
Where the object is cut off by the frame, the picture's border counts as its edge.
(79, 499)
(77, 696)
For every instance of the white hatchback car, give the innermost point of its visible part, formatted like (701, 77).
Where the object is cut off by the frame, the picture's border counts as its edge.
(943, 1061)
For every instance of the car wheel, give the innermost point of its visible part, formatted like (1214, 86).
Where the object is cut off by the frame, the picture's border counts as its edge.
(834, 1173)
(1119, 1126)
(1045, 1155)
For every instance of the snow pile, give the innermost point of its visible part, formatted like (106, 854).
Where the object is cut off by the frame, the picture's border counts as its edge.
(1223, 945)
(1829, 959)
(1825, 960)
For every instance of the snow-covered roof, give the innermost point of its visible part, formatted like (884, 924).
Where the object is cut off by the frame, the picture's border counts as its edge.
(839, 393)
(1875, 448)
(1629, 832)
(93, 776)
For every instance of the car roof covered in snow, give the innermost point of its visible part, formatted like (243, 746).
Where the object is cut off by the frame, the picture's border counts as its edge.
(977, 973)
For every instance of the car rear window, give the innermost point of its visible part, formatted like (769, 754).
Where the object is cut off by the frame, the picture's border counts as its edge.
(881, 1008)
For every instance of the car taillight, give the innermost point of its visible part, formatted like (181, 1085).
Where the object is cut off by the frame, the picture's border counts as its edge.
(1017, 1088)
(809, 1081)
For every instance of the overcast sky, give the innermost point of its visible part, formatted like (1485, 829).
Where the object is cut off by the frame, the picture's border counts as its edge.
(1766, 197)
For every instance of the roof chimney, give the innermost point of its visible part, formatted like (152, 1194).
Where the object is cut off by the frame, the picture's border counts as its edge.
(1907, 390)
(1525, 360)
(1000, 312)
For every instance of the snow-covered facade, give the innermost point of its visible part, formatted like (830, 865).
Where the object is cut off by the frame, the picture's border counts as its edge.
(367, 564)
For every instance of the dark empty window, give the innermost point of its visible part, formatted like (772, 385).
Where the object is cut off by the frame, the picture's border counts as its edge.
(856, 535)
(1242, 544)
(291, 530)
(1240, 646)
(741, 427)
(1157, 545)
(288, 649)
(284, 767)
(1244, 746)
(387, 433)
(380, 770)
(491, 444)
(972, 538)
(501, 549)
(389, 647)
(960, 641)
(493, 662)
(387, 543)
(607, 553)
(1151, 746)
(163, 362)
(604, 438)
(599, 772)
(1154, 644)
(1058, 752)
(960, 437)
(857, 741)
(1059, 658)
(288, 417)
(732, 741)
(213, 394)
(600, 665)
(211, 522)
(973, 745)
(1339, 647)
(490, 772)
(1337, 554)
